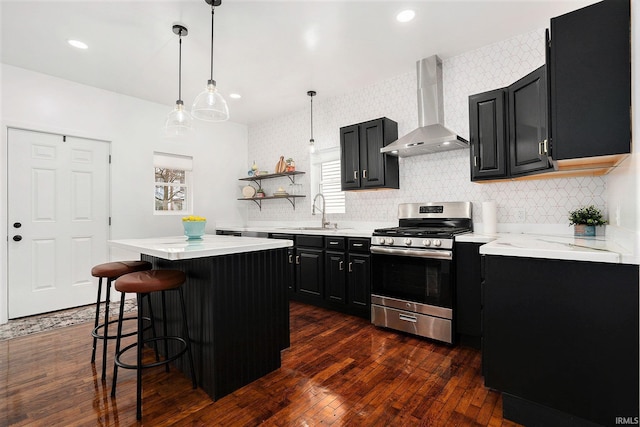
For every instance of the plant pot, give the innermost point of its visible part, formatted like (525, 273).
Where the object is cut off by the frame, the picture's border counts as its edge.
(194, 229)
(583, 230)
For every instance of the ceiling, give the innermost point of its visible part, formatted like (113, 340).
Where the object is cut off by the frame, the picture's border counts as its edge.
(270, 52)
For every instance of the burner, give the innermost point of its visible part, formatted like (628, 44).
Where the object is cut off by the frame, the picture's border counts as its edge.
(420, 231)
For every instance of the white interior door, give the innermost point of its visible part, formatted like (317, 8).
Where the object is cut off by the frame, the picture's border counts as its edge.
(58, 220)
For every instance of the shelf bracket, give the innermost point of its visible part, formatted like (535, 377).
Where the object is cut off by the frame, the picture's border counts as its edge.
(258, 202)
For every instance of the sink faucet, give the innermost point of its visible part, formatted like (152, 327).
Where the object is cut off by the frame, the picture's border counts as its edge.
(325, 223)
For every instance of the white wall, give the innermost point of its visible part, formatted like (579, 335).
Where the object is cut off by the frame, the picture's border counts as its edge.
(624, 183)
(437, 177)
(40, 102)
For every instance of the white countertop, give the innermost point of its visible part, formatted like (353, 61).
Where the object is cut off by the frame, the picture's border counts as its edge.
(347, 232)
(178, 247)
(599, 249)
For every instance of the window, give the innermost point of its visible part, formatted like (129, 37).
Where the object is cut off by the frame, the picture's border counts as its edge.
(173, 190)
(326, 179)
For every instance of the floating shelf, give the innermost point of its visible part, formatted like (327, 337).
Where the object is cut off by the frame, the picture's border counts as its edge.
(258, 200)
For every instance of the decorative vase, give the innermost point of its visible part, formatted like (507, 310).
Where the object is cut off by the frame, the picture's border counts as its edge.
(584, 230)
(194, 229)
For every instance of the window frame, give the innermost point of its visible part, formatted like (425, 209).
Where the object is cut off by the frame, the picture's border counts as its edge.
(179, 163)
(317, 160)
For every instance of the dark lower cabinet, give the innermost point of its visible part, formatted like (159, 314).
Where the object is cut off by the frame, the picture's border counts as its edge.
(468, 312)
(330, 272)
(359, 284)
(560, 340)
(335, 277)
(310, 271)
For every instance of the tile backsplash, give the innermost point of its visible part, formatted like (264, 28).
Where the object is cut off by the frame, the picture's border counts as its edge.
(435, 177)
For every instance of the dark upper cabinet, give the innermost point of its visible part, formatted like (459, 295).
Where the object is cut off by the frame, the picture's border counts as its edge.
(363, 166)
(590, 76)
(528, 117)
(508, 129)
(487, 134)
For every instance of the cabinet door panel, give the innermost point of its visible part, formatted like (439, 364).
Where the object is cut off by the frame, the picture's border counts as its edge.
(372, 141)
(335, 279)
(350, 155)
(528, 123)
(310, 275)
(360, 280)
(487, 134)
(591, 81)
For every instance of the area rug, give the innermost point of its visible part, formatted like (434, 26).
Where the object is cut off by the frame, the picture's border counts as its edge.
(59, 319)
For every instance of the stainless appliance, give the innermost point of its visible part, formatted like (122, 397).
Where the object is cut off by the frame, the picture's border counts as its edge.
(413, 269)
(431, 136)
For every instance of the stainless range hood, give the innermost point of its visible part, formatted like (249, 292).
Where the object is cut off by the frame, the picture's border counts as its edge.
(431, 135)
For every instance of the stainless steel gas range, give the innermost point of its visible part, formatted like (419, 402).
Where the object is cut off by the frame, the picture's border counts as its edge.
(413, 269)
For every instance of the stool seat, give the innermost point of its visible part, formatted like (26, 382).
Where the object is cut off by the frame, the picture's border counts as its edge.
(150, 281)
(113, 270)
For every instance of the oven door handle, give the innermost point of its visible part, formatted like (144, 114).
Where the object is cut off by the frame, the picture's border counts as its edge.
(416, 253)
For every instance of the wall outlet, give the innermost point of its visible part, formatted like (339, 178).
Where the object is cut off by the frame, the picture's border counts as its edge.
(519, 215)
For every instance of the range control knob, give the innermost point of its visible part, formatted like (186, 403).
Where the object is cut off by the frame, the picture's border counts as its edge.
(437, 243)
(389, 241)
(426, 242)
(407, 242)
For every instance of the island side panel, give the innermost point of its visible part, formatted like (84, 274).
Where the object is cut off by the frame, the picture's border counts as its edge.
(238, 314)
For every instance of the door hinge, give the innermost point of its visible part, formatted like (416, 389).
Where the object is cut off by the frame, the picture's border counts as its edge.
(109, 158)
(64, 138)
(109, 221)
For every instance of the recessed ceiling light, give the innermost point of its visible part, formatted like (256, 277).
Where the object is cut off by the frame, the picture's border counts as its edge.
(78, 44)
(406, 15)
(235, 95)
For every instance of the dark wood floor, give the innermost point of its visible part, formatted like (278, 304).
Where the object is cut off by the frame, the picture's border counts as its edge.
(340, 370)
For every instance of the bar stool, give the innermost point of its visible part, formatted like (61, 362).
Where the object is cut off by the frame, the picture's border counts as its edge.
(143, 283)
(111, 271)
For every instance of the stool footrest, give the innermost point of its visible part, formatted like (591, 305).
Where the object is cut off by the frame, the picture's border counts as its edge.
(96, 334)
(181, 351)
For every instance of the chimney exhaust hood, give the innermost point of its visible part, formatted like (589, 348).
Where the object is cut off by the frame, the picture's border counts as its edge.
(431, 135)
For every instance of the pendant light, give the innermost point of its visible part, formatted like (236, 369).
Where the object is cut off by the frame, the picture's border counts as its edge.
(210, 106)
(179, 121)
(312, 142)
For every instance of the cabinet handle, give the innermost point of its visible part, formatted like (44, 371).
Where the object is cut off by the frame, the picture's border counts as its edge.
(341, 266)
(357, 245)
(350, 267)
(406, 318)
(355, 174)
(475, 161)
(544, 147)
(290, 259)
(364, 174)
(298, 259)
(333, 243)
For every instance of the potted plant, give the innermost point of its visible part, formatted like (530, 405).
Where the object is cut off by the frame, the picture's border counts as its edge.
(585, 220)
(260, 192)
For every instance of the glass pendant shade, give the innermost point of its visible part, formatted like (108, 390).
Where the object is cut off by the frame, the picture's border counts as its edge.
(179, 121)
(209, 105)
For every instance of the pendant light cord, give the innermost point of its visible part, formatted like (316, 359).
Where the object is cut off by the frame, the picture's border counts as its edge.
(212, 14)
(180, 68)
(311, 117)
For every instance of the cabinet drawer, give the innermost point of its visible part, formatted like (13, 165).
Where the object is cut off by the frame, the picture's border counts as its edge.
(359, 245)
(334, 243)
(310, 241)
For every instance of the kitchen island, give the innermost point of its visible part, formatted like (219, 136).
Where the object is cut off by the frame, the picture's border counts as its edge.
(236, 298)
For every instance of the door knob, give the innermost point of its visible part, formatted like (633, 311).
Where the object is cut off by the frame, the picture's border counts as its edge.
(17, 225)
(17, 238)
